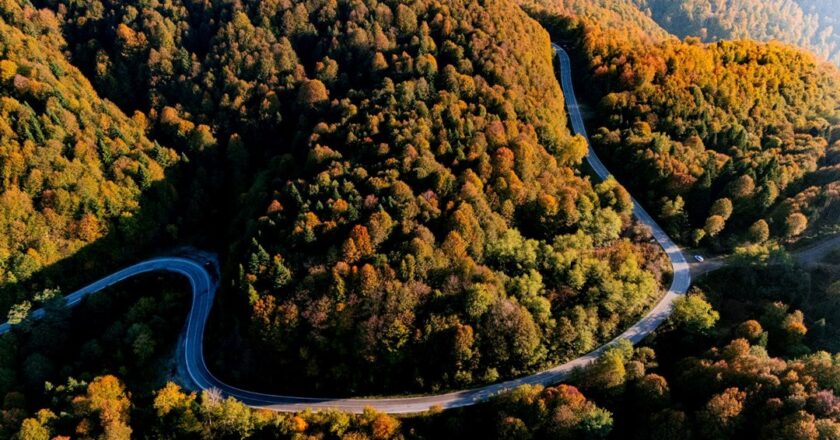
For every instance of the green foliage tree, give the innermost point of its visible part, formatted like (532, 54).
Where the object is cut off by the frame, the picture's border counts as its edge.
(19, 312)
(225, 416)
(609, 372)
(722, 207)
(694, 313)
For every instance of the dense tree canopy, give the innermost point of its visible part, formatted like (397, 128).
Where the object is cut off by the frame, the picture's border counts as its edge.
(810, 24)
(399, 184)
(73, 167)
(399, 206)
(693, 128)
(438, 230)
(758, 372)
(726, 135)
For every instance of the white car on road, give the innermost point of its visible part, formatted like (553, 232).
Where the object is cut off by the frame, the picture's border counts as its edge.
(699, 258)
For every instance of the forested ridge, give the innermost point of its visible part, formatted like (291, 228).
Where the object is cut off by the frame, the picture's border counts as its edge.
(623, 19)
(73, 167)
(737, 138)
(400, 207)
(443, 259)
(730, 143)
(810, 24)
(403, 195)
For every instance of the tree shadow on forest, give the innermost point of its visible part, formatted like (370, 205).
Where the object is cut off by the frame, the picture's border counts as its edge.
(191, 208)
(152, 229)
(148, 231)
(176, 215)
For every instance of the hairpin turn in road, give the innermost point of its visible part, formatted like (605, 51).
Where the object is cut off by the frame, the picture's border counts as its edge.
(204, 289)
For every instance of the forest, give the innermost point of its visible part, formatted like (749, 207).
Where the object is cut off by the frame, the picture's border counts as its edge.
(624, 19)
(403, 198)
(810, 24)
(745, 354)
(73, 167)
(740, 139)
(438, 234)
(399, 208)
(729, 143)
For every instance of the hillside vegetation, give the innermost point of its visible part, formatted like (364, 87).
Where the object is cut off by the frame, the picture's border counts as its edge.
(399, 207)
(759, 371)
(405, 207)
(73, 167)
(754, 369)
(735, 139)
(810, 24)
(622, 17)
(730, 143)
(439, 235)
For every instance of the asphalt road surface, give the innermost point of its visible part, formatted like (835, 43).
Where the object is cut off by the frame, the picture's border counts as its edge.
(813, 254)
(204, 289)
(807, 256)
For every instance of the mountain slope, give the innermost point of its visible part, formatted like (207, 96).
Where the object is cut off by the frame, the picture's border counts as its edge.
(391, 260)
(620, 16)
(806, 23)
(72, 166)
(734, 142)
(388, 162)
(731, 134)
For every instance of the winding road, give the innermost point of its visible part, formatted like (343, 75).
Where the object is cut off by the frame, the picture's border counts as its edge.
(204, 289)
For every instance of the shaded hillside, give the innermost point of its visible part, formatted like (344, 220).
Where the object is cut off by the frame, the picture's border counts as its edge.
(388, 164)
(72, 166)
(809, 24)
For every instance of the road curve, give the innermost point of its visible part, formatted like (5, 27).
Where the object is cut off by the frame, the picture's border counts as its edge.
(204, 289)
